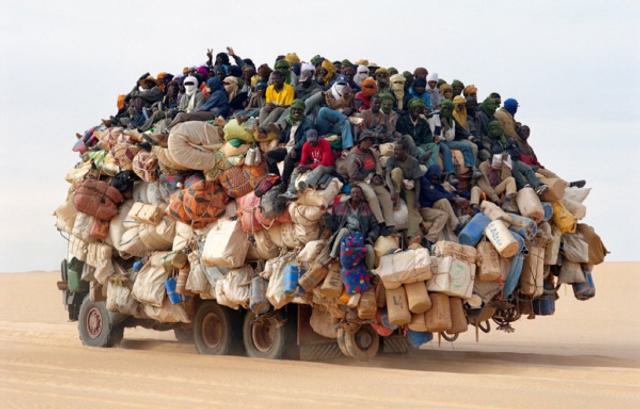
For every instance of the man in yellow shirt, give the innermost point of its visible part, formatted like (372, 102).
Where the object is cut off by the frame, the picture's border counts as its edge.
(278, 97)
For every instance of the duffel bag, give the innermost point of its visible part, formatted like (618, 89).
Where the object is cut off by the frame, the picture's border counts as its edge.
(96, 198)
(203, 202)
(191, 144)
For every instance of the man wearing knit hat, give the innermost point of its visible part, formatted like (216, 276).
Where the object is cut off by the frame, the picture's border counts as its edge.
(506, 117)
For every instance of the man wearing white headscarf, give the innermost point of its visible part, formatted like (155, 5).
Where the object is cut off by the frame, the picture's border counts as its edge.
(361, 74)
(432, 89)
(192, 97)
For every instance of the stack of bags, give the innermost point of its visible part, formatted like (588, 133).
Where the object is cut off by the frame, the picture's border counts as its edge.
(197, 215)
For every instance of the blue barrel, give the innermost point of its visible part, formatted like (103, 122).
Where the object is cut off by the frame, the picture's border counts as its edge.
(291, 275)
(473, 231)
(417, 339)
(515, 268)
(170, 286)
(545, 305)
(524, 226)
(548, 211)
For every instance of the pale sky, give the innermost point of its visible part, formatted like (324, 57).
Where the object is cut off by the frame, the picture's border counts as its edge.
(572, 65)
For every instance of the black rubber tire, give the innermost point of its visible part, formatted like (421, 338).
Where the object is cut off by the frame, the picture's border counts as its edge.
(213, 329)
(342, 344)
(184, 334)
(362, 344)
(96, 327)
(265, 337)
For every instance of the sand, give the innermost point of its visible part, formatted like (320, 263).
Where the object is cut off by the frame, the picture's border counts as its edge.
(585, 356)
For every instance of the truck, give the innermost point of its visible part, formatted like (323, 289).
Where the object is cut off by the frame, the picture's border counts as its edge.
(220, 330)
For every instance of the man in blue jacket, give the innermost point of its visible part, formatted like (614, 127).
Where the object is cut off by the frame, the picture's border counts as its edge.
(216, 105)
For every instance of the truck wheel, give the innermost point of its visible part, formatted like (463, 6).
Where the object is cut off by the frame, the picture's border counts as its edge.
(213, 329)
(184, 334)
(264, 337)
(96, 327)
(342, 345)
(362, 344)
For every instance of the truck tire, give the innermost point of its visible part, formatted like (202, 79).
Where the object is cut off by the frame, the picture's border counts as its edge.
(362, 344)
(95, 326)
(264, 337)
(214, 332)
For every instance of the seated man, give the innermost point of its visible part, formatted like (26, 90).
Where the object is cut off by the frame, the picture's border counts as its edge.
(527, 156)
(496, 181)
(416, 126)
(307, 86)
(278, 97)
(292, 137)
(353, 215)
(403, 175)
(433, 91)
(521, 172)
(380, 119)
(419, 90)
(450, 133)
(434, 195)
(363, 169)
(331, 109)
(216, 105)
(317, 158)
(362, 100)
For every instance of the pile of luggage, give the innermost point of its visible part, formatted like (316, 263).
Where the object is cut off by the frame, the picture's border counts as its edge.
(153, 228)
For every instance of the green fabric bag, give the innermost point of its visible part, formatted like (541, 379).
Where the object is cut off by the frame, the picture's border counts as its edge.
(74, 274)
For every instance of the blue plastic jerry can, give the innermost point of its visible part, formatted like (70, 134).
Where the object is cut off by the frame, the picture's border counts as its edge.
(473, 231)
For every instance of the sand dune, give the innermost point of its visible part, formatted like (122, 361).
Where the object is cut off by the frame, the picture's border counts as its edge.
(587, 356)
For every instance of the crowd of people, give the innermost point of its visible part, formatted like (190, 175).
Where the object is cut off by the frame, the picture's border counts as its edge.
(388, 135)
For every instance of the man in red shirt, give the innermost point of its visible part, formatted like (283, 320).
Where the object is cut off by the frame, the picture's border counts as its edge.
(317, 159)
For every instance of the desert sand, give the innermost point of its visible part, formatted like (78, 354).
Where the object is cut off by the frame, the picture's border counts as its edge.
(585, 356)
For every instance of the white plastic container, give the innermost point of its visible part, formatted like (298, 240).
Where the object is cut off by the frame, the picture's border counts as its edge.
(529, 204)
(501, 238)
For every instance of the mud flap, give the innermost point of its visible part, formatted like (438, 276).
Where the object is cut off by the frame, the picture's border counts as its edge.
(313, 347)
(395, 344)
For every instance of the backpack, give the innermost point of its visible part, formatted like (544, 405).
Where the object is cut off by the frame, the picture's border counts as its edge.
(96, 198)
